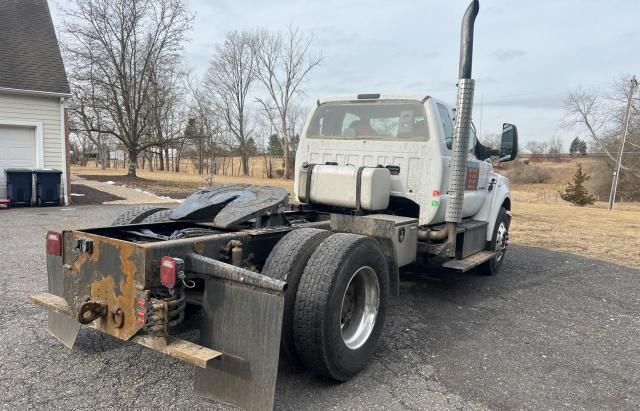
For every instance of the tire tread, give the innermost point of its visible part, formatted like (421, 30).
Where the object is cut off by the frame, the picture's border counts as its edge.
(315, 286)
(136, 215)
(286, 262)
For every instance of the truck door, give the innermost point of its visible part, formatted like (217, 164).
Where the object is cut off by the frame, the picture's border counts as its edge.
(477, 171)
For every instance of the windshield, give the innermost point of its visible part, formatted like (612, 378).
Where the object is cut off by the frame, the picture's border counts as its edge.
(372, 119)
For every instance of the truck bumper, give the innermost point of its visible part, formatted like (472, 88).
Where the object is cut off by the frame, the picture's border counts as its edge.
(237, 355)
(186, 351)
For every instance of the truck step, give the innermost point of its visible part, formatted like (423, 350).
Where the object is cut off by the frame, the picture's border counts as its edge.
(470, 262)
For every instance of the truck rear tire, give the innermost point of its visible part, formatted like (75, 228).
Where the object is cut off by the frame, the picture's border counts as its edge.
(286, 262)
(341, 305)
(499, 243)
(135, 215)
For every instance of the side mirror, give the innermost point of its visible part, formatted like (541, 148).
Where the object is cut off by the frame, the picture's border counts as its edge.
(509, 146)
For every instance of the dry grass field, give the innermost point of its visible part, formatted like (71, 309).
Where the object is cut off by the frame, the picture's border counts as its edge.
(175, 185)
(539, 219)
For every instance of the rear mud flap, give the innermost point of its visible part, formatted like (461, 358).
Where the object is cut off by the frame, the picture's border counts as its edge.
(242, 317)
(64, 328)
(60, 325)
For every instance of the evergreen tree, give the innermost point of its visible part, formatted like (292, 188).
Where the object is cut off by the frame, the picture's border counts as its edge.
(582, 147)
(573, 148)
(575, 192)
(275, 145)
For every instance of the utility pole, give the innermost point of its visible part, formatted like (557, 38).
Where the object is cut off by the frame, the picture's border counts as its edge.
(616, 174)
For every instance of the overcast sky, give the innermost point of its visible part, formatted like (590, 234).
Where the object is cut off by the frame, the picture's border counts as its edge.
(528, 54)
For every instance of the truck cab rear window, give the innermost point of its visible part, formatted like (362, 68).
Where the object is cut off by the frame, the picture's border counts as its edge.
(380, 120)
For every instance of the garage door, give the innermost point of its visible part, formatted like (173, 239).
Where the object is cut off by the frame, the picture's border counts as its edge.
(17, 149)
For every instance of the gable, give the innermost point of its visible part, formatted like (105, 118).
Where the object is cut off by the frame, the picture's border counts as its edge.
(29, 53)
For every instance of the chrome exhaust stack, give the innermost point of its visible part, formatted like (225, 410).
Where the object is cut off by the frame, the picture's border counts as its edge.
(464, 110)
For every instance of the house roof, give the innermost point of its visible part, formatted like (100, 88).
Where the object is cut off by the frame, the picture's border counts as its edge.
(30, 58)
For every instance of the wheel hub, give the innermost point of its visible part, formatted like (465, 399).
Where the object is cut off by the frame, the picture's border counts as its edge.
(502, 241)
(359, 309)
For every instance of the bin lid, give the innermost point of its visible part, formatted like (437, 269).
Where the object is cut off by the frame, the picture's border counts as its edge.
(47, 170)
(18, 170)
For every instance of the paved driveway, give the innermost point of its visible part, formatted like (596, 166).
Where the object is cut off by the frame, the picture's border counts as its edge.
(552, 331)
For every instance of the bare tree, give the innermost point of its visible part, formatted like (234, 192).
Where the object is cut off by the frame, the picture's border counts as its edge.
(84, 120)
(588, 109)
(585, 109)
(116, 46)
(228, 82)
(555, 146)
(87, 117)
(537, 147)
(167, 114)
(284, 62)
(207, 131)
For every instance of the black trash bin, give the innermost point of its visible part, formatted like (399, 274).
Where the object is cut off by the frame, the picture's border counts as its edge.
(19, 186)
(48, 187)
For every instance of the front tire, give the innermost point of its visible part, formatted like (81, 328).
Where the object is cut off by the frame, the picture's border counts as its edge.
(499, 243)
(341, 306)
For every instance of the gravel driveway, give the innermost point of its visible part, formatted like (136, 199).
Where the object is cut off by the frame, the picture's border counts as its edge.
(552, 331)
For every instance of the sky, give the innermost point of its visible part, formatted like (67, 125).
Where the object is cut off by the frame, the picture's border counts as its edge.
(528, 54)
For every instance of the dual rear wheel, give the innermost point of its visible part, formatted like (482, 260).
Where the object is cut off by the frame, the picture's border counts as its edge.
(336, 302)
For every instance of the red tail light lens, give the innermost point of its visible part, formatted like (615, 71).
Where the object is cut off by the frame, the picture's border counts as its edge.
(54, 243)
(168, 272)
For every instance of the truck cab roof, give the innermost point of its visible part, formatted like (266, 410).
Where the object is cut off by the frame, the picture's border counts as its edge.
(372, 96)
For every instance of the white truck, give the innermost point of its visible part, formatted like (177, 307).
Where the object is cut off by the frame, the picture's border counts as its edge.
(381, 183)
(398, 149)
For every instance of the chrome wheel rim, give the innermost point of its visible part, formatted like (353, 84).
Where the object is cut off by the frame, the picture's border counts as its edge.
(502, 240)
(359, 309)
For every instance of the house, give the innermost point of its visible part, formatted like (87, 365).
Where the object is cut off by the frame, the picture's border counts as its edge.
(33, 91)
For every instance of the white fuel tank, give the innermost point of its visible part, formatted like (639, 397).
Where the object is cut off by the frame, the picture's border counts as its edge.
(368, 188)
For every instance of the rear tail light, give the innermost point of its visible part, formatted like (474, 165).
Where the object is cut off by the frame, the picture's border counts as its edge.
(168, 269)
(54, 243)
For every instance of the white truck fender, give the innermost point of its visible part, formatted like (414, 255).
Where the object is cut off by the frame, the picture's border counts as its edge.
(499, 195)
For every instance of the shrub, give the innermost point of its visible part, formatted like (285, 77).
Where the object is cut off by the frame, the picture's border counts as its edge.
(523, 173)
(575, 192)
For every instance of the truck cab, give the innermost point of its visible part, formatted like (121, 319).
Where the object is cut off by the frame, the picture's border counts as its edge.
(412, 137)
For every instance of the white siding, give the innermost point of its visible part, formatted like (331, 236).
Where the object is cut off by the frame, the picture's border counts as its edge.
(38, 109)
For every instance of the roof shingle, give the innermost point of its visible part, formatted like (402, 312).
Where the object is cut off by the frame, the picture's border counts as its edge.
(29, 54)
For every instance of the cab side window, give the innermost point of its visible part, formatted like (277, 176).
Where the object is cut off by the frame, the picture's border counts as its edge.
(447, 125)
(472, 139)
